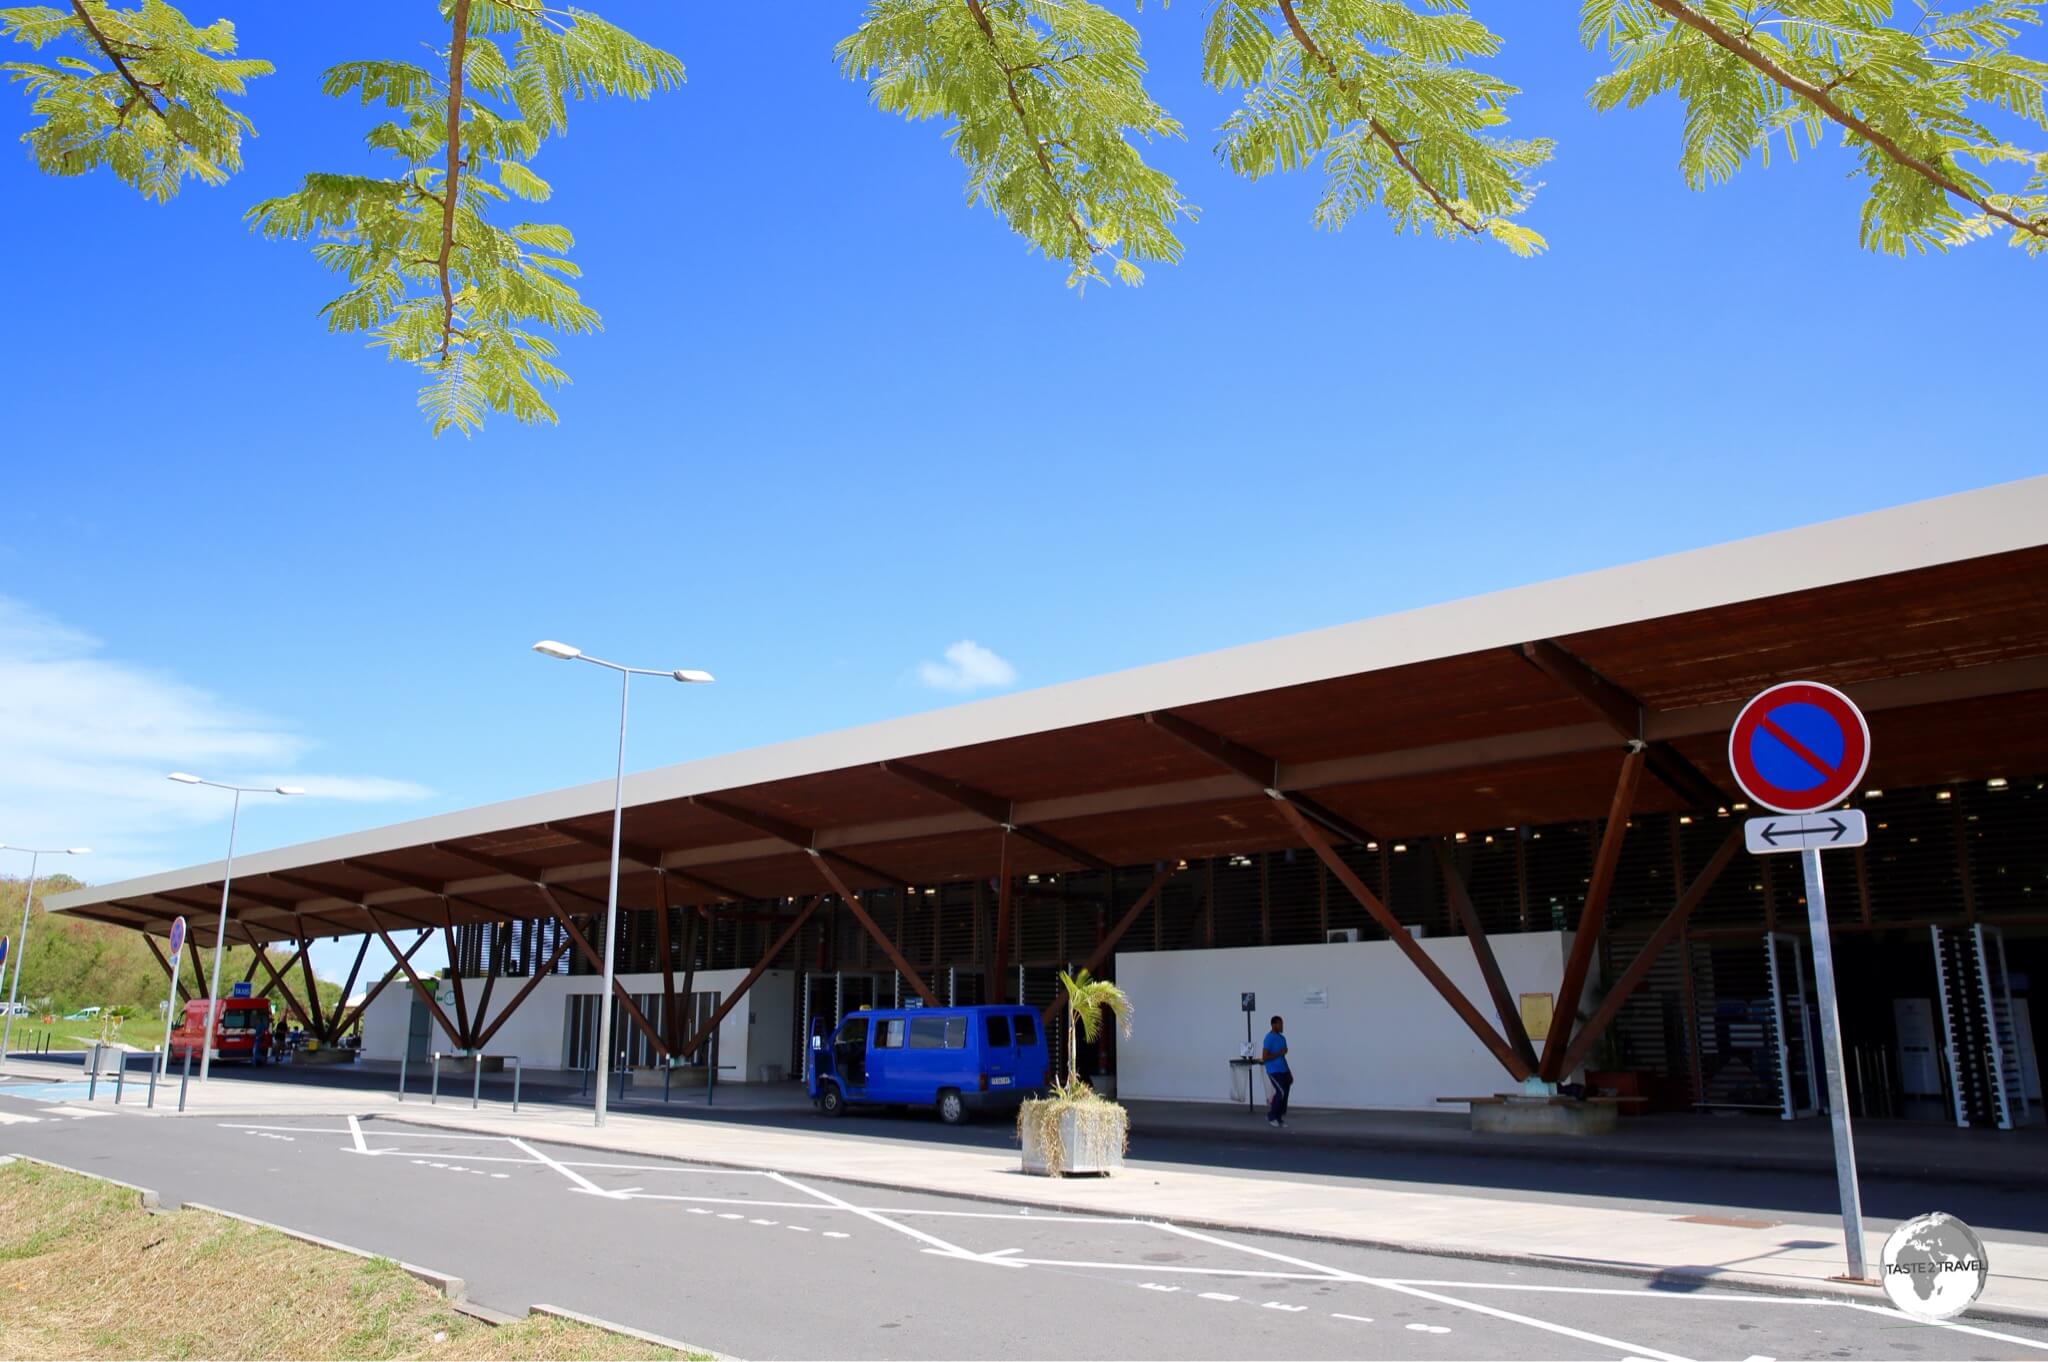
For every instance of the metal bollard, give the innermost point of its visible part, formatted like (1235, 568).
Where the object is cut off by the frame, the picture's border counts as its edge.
(120, 1079)
(403, 1055)
(92, 1078)
(476, 1082)
(151, 1103)
(434, 1092)
(182, 1082)
(515, 1082)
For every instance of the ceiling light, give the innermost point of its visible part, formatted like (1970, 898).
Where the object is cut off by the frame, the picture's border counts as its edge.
(1943, 795)
(1995, 783)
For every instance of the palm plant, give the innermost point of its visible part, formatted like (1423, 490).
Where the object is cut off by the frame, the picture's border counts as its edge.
(1087, 999)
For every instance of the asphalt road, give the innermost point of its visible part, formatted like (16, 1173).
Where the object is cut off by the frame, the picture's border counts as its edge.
(2015, 1211)
(760, 1265)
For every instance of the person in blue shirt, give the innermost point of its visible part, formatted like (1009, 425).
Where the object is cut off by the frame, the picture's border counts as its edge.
(1278, 1074)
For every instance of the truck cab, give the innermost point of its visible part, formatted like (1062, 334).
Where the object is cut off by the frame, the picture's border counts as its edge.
(242, 1031)
(955, 1060)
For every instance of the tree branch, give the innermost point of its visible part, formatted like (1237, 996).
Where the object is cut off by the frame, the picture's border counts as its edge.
(453, 178)
(1045, 165)
(140, 87)
(1824, 101)
(1377, 128)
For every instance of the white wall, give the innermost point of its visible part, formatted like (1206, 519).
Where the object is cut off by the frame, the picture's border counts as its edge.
(756, 1033)
(1383, 1038)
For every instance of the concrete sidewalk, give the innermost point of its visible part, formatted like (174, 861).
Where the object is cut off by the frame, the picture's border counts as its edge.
(1677, 1250)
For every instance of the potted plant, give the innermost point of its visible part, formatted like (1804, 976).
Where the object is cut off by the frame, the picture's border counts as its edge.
(1073, 1129)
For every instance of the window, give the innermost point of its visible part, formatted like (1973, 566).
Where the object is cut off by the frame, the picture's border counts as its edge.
(1027, 1028)
(998, 1032)
(853, 1031)
(889, 1033)
(938, 1033)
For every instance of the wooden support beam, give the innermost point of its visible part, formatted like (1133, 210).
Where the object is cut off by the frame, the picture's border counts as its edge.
(1667, 931)
(496, 968)
(693, 930)
(157, 951)
(426, 993)
(349, 1019)
(277, 982)
(860, 913)
(664, 948)
(1105, 947)
(455, 974)
(1408, 946)
(334, 1030)
(1593, 916)
(399, 877)
(640, 854)
(1504, 1002)
(1000, 985)
(312, 985)
(1627, 715)
(768, 958)
(994, 808)
(583, 948)
(1256, 767)
(532, 982)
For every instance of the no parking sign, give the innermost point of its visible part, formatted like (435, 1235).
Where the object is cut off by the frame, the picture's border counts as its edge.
(1799, 747)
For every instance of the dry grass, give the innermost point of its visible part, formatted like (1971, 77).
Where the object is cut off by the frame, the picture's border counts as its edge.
(85, 1272)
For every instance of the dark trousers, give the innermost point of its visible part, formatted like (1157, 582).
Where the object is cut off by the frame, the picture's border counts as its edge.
(1276, 1110)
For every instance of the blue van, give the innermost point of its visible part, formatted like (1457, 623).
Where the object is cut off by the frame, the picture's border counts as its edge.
(956, 1060)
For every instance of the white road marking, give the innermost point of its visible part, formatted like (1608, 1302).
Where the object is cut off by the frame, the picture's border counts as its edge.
(1191, 1271)
(837, 1234)
(1896, 1316)
(731, 1201)
(1015, 1215)
(582, 1183)
(800, 1229)
(355, 1129)
(730, 1215)
(77, 1111)
(760, 1222)
(1283, 1305)
(951, 1250)
(14, 1118)
(1355, 1319)
(1429, 1329)
(1217, 1296)
(501, 1175)
(1155, 1286)
(1580, 1334)
(696, 1210)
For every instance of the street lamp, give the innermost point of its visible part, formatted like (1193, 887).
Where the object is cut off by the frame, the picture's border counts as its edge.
(547, 647)
(220, 935)
(28, 897)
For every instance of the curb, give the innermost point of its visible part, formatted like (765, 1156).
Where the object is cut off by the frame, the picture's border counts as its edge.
(454, 1288)
(150, 1201)
(658, 1340)
(1678, 1277)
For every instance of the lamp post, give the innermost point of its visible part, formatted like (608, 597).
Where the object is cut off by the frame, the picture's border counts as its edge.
(35, 854)
(220, 933)
(562, 651)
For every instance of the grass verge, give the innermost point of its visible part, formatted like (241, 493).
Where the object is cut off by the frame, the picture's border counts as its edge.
(85, 1272)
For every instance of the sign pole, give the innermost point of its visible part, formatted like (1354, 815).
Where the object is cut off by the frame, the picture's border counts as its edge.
(171, 997)
(1831, 1051)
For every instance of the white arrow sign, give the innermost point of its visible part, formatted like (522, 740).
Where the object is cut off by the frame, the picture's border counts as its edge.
(1804, 831)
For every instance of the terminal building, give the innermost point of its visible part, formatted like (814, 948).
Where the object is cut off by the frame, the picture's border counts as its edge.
(1456, 847)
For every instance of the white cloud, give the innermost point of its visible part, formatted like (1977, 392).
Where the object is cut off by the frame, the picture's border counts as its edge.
(87, 741)
(968, 666)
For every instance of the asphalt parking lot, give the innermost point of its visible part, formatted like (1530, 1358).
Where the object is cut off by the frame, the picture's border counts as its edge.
(761, 1265)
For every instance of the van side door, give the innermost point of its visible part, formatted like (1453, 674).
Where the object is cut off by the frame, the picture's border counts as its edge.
(850, 1053)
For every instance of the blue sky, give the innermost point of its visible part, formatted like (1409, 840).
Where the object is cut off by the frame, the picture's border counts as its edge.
(838, 422)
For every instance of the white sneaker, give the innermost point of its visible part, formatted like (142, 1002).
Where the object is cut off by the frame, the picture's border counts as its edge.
(1273, 1121)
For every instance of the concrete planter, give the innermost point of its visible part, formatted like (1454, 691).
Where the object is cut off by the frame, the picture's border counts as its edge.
(1518, 1115)
(1090, 1141)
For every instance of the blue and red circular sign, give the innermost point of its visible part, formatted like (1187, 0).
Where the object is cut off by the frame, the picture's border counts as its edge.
(177, 937)
(1799, 747)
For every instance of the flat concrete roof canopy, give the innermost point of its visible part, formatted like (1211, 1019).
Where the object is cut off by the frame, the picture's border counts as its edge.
(1494, 711)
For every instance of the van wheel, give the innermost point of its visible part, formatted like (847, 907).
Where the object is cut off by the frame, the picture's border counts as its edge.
(831, 1101)
(952, 1107)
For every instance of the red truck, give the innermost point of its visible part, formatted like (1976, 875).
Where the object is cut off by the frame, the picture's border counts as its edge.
(242, 1031)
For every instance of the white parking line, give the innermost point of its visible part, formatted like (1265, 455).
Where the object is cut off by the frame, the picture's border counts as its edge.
(951, 1250)
(1581, 1335)
(1355, 1319)
(1218, 1296)
(355, 1128)
(582, 1183)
